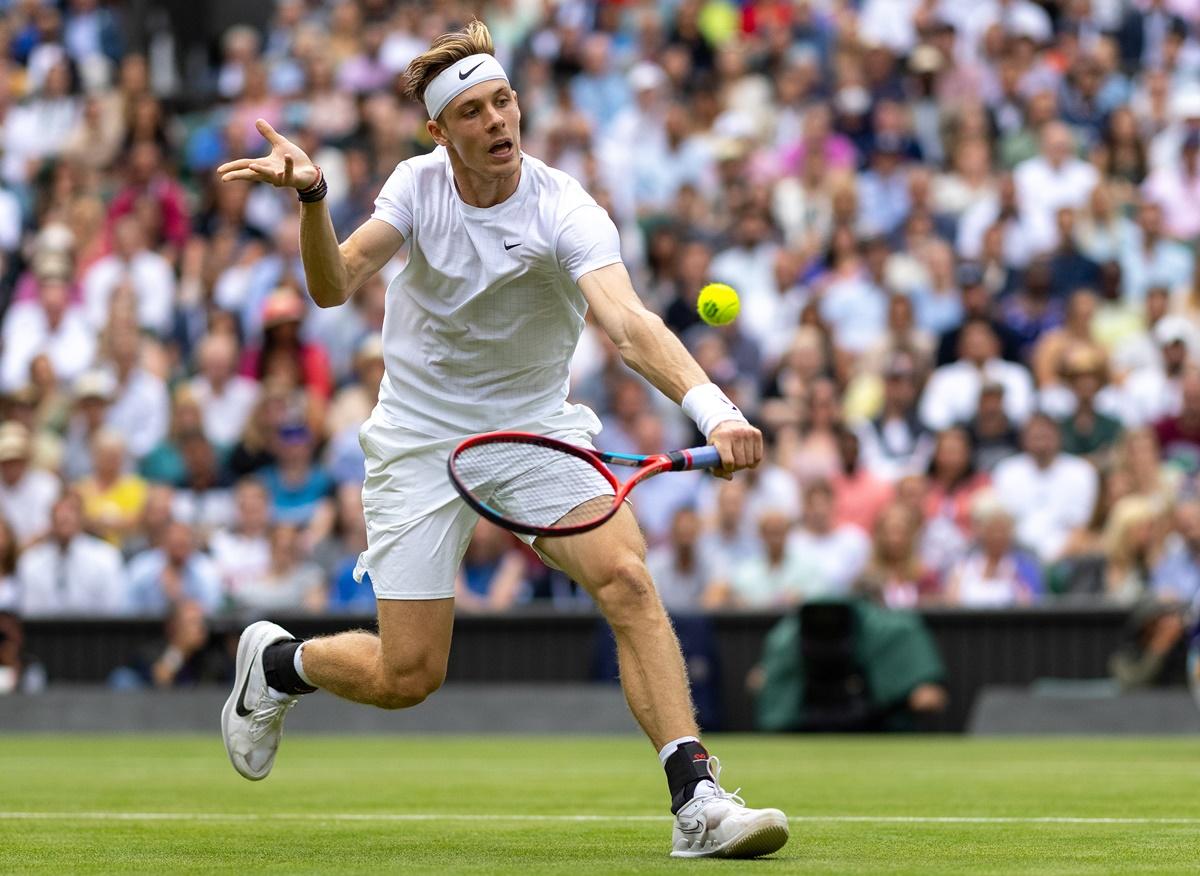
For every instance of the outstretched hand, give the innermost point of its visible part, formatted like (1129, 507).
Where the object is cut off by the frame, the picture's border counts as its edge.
(285, 167)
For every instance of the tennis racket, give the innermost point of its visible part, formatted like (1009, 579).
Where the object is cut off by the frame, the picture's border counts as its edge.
(542, 486)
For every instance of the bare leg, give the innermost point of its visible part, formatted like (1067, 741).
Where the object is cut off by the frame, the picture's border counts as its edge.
(610, 563)
(398, 668)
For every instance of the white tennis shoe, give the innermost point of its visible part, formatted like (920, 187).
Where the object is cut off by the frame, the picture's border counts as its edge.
(720, 825)
(252, 720)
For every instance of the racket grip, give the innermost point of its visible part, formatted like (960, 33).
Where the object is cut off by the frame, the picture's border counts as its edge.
(696, 457)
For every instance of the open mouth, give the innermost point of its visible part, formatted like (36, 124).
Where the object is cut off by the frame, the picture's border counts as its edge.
(501, 148)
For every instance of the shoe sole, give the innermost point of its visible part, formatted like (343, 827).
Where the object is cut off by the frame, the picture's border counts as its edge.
(755, 841)
(251, 642)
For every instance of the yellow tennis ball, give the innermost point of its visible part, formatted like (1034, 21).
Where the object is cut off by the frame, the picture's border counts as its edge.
(718, 304)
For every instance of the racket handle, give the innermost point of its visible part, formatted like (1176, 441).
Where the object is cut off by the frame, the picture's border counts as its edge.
(696, 457)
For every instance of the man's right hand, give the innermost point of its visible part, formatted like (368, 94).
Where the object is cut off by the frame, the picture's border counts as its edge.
(285, 167)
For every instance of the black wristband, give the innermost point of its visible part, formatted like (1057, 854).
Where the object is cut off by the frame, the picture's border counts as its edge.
(316, 191)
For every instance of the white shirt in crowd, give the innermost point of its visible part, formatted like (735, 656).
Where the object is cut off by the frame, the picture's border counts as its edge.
(1047, 504)
(1042, 190)
(1149, 395)
(490, 311)
(952, 394)
(26, 504)
(225, 412)
(141, 412)
(71, 347)
(86, 579)
(10, 221)
(679, 590)
(240, 559)
(153, 283)
(840, 555)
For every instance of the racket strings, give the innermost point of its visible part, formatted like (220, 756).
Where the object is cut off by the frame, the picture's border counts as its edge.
(532, 484)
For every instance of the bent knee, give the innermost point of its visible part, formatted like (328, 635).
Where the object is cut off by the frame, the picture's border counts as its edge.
(626, 590)
(402, 690)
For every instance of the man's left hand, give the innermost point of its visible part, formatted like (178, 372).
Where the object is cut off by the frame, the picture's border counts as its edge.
(740, 446)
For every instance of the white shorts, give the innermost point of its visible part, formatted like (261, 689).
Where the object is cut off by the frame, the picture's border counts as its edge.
(418, 527)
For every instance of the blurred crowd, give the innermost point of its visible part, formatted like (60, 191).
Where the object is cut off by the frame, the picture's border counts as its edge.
(963, 235)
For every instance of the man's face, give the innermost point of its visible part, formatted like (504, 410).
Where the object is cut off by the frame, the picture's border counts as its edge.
(66, 520)
(1041, 440)
(685, 528)
(483, 127)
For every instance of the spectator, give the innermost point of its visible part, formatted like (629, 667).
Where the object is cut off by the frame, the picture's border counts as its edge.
(1176, 575)
(26, 494)
(1154, 392)
(1148, 258)
(840, 553)
(895, 576)
(779, 575)
(895, 443)
(140, 407)
(149, 275)
(291, 583)
(994, 574)
(112, 498)
(149, 184)
(71, 572)
(660, 497)
(51, 325)
(1049, 493)
(226, 399)
(1179, 436)
(181, 659)
(204, 496)
(1131, 548)
(300, 489)
(164, 463)
(93, 393)
(1056, 178)
(284, 355)
(955, 482)
(1087, 432)
(242, 551)
(176, 572)
(858, 495)
(993, 436)
(729, 533)
(492, 577)
(684, 572)
(952, 394)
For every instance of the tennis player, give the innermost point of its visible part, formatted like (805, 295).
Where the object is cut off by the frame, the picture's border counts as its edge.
(505, 257)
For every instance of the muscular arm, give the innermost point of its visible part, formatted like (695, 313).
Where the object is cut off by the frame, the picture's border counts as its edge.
(651, 349)
(334, 271)
(643, 340)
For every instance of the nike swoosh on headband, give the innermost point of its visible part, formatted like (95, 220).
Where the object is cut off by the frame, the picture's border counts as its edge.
(462, 75)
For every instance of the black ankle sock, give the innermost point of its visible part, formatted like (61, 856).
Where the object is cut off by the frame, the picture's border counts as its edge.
(686, 768)
(279, 664)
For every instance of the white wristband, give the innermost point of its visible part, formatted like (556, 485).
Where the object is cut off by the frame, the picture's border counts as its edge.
(709, 407)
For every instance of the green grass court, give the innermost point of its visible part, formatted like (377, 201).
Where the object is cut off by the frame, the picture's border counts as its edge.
(75, 804)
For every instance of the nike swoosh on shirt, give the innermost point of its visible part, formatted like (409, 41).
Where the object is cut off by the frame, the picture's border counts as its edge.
(240, 706)
(508, 245)
(462, 75)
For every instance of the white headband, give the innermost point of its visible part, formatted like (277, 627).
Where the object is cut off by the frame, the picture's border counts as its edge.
(457, 78)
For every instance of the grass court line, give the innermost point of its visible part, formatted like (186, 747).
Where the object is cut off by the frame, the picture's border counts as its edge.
(420, 816)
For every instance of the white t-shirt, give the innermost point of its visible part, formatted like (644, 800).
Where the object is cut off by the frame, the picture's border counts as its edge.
(1047, 504)
(480, 325)
(26, 505)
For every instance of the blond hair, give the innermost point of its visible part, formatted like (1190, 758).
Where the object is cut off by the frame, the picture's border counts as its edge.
(448, 49)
